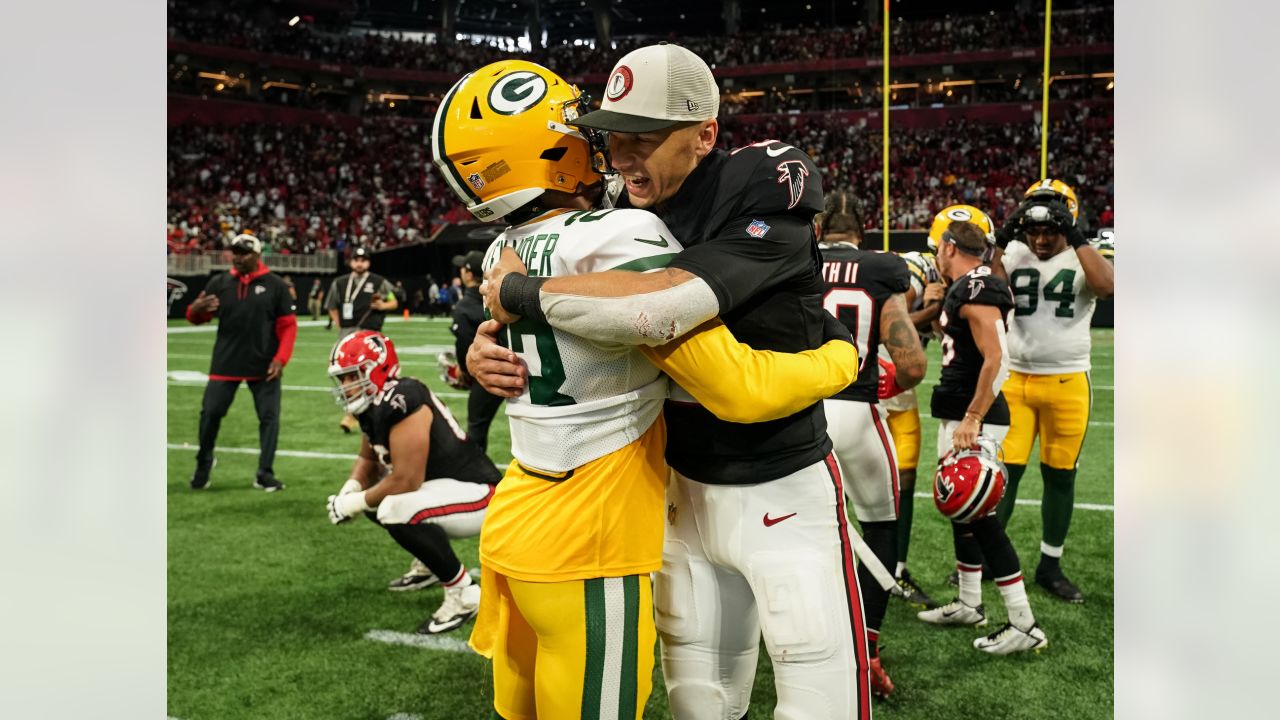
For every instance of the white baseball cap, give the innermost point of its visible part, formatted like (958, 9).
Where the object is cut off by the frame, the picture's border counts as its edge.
(245, 241)
(655, 87)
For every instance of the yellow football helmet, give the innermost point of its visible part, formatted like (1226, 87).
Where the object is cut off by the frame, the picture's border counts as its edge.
(1055, 190)
(501, 138)
(959, 213)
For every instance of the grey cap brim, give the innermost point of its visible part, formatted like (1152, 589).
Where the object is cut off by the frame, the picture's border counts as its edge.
(622, 122)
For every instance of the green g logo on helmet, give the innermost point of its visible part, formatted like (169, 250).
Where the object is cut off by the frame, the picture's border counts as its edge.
(517, 92)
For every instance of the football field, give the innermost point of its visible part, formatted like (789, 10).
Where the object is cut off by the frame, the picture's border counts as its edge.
(275, 613)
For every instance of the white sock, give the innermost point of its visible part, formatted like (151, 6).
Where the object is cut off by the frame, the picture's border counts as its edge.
(1014, 593)
(897, 571)
(1051, 551)
(970, 584)
(462, 580)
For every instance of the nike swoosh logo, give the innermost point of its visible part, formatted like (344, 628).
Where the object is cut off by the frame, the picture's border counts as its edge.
(660, 242)
(775, 152)
(1062, 380)
(770, 522)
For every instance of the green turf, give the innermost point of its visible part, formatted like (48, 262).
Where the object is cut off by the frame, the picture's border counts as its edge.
(269, 603)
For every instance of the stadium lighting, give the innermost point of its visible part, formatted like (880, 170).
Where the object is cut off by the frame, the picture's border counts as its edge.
(1111, 85)
(296, 19)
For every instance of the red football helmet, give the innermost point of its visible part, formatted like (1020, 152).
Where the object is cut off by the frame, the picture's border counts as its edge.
(360, 366)
(969, 483)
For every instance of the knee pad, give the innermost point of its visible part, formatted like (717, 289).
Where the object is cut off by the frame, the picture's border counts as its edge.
(699, 700)
(796, 598)
(674, 605)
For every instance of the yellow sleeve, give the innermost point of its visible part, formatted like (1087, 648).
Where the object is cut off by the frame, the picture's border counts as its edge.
(740, 384)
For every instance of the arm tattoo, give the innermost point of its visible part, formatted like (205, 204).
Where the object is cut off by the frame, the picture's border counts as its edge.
(902, 341)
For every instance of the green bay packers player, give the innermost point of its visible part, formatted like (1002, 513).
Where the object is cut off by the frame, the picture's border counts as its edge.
(576, 526)
(925, 304)
(1056, 278)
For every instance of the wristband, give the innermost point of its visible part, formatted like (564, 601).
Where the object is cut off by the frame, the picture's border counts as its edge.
(520, 295)
(1075, 238)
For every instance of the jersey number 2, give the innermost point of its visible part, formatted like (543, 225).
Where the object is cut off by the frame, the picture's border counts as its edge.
(864, 310)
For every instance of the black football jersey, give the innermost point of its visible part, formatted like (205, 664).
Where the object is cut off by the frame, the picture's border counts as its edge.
(746, 220)
(961, 360)
(247, 314)
(858, 283)
(452, 455)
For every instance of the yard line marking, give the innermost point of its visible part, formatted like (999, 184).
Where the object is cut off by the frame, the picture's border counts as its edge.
(184, 382)
(308, 454)
(212, 327)
(1023, 501)
(431, 642)
(405, 716)
(254, 451)
(1095, 387)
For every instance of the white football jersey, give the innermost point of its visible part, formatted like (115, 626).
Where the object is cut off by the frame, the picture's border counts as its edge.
(1049, 329)
(584, 400)
(923, 272)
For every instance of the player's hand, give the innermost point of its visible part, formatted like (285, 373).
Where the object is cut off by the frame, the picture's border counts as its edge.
(1066, 224)
(934, 293)
(346, 506)
(967, 433)
(887, 386)
(1012, 228)
(509, 262)
(274, 369)
(497, 369)
(205, 304)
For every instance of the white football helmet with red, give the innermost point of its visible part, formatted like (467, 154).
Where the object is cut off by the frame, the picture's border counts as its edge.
(360, 366)
(970, 482)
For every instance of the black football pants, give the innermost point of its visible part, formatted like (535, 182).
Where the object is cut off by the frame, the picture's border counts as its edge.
(481, 407)
(218, 395)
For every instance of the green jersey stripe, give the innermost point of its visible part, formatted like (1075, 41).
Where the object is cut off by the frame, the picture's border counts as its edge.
(593, 674)
(646, 263)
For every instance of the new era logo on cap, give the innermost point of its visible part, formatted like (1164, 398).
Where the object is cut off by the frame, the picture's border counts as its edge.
(653, 88)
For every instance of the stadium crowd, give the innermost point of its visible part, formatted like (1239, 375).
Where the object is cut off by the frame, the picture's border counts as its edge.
(303, 188)
(306, 188)
(237, 26)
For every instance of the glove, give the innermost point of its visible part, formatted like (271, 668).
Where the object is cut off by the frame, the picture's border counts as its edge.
(1066, 225)
(350, 486)
(344, 507)
(1012, 228)
(888, 385)
(450, 372)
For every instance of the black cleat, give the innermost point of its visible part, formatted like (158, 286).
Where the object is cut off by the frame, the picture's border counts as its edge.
(200, 478)
(1059, 586)
(912, 592)
(268, 482)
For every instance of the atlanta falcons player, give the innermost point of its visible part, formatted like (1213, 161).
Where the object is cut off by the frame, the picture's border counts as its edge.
(866, 291)
(967, 403)
(440, 482)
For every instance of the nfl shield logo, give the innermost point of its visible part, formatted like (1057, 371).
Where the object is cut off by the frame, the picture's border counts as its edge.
(757, 229)
(476, 181)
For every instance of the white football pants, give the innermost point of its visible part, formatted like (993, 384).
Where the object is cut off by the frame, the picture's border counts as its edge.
(457, 507)
(865, 449)
(771, 558)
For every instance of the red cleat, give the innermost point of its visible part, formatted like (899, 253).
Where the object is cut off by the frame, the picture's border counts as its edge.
(881, 685)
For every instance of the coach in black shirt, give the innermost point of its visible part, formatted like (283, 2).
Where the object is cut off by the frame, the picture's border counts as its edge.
(755, 510)
(467, 316)
(256, 330)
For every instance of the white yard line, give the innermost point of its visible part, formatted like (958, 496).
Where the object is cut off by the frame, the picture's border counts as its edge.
(935, 382)
(305, 388)
(391, 323)
(339, 456)
(431, 642)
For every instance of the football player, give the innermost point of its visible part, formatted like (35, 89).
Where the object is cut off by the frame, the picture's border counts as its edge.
(576, 527)
(417, 474)
(1056, 278)
(967, 402)
(924, 300)
(867, 292)
(758, 540)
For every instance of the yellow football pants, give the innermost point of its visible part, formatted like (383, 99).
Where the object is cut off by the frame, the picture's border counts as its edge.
(573, 649)
(1053, 407)
(905, 428)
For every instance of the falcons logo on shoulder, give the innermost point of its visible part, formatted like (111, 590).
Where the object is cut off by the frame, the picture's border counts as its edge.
(793, 173)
